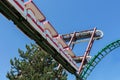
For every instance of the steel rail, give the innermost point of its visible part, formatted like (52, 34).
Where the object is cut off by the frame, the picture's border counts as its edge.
(9, 12)
(97, 58)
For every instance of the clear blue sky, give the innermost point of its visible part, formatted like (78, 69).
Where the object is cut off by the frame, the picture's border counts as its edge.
(68, 16)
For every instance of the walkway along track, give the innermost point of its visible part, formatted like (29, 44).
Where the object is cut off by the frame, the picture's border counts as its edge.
(12, 14)
(97, 58)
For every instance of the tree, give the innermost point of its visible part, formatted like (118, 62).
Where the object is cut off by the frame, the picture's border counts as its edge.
(35, 64)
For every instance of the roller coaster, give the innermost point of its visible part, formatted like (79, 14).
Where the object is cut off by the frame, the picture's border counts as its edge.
(97, 58)
(31, 21)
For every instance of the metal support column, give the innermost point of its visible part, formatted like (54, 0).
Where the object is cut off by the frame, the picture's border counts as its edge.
(71, 40)
(87, 52)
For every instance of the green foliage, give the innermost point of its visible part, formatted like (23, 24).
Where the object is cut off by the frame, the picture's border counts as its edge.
(35, 64)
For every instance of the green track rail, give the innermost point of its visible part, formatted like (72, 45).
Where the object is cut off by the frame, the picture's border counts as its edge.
(97, 58)
(6, 9)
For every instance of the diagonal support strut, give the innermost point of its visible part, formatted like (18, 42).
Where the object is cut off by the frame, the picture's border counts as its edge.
(87, 52)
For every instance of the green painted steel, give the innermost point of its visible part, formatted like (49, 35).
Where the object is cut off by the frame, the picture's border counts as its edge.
(25, 27)
(97, 58)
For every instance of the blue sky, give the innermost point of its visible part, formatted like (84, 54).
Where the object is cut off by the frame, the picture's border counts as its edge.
(68, 16)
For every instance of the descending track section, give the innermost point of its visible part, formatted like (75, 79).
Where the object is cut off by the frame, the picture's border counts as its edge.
(30, 20)
(97, 58)
(35, 27)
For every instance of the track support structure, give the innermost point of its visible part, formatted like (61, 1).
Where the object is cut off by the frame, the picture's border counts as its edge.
(87, 52)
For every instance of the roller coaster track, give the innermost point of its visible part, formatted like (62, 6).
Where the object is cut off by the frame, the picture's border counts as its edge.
(97, 58)
(11, 13)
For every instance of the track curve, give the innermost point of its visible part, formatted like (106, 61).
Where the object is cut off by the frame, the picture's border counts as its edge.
(97, 58)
